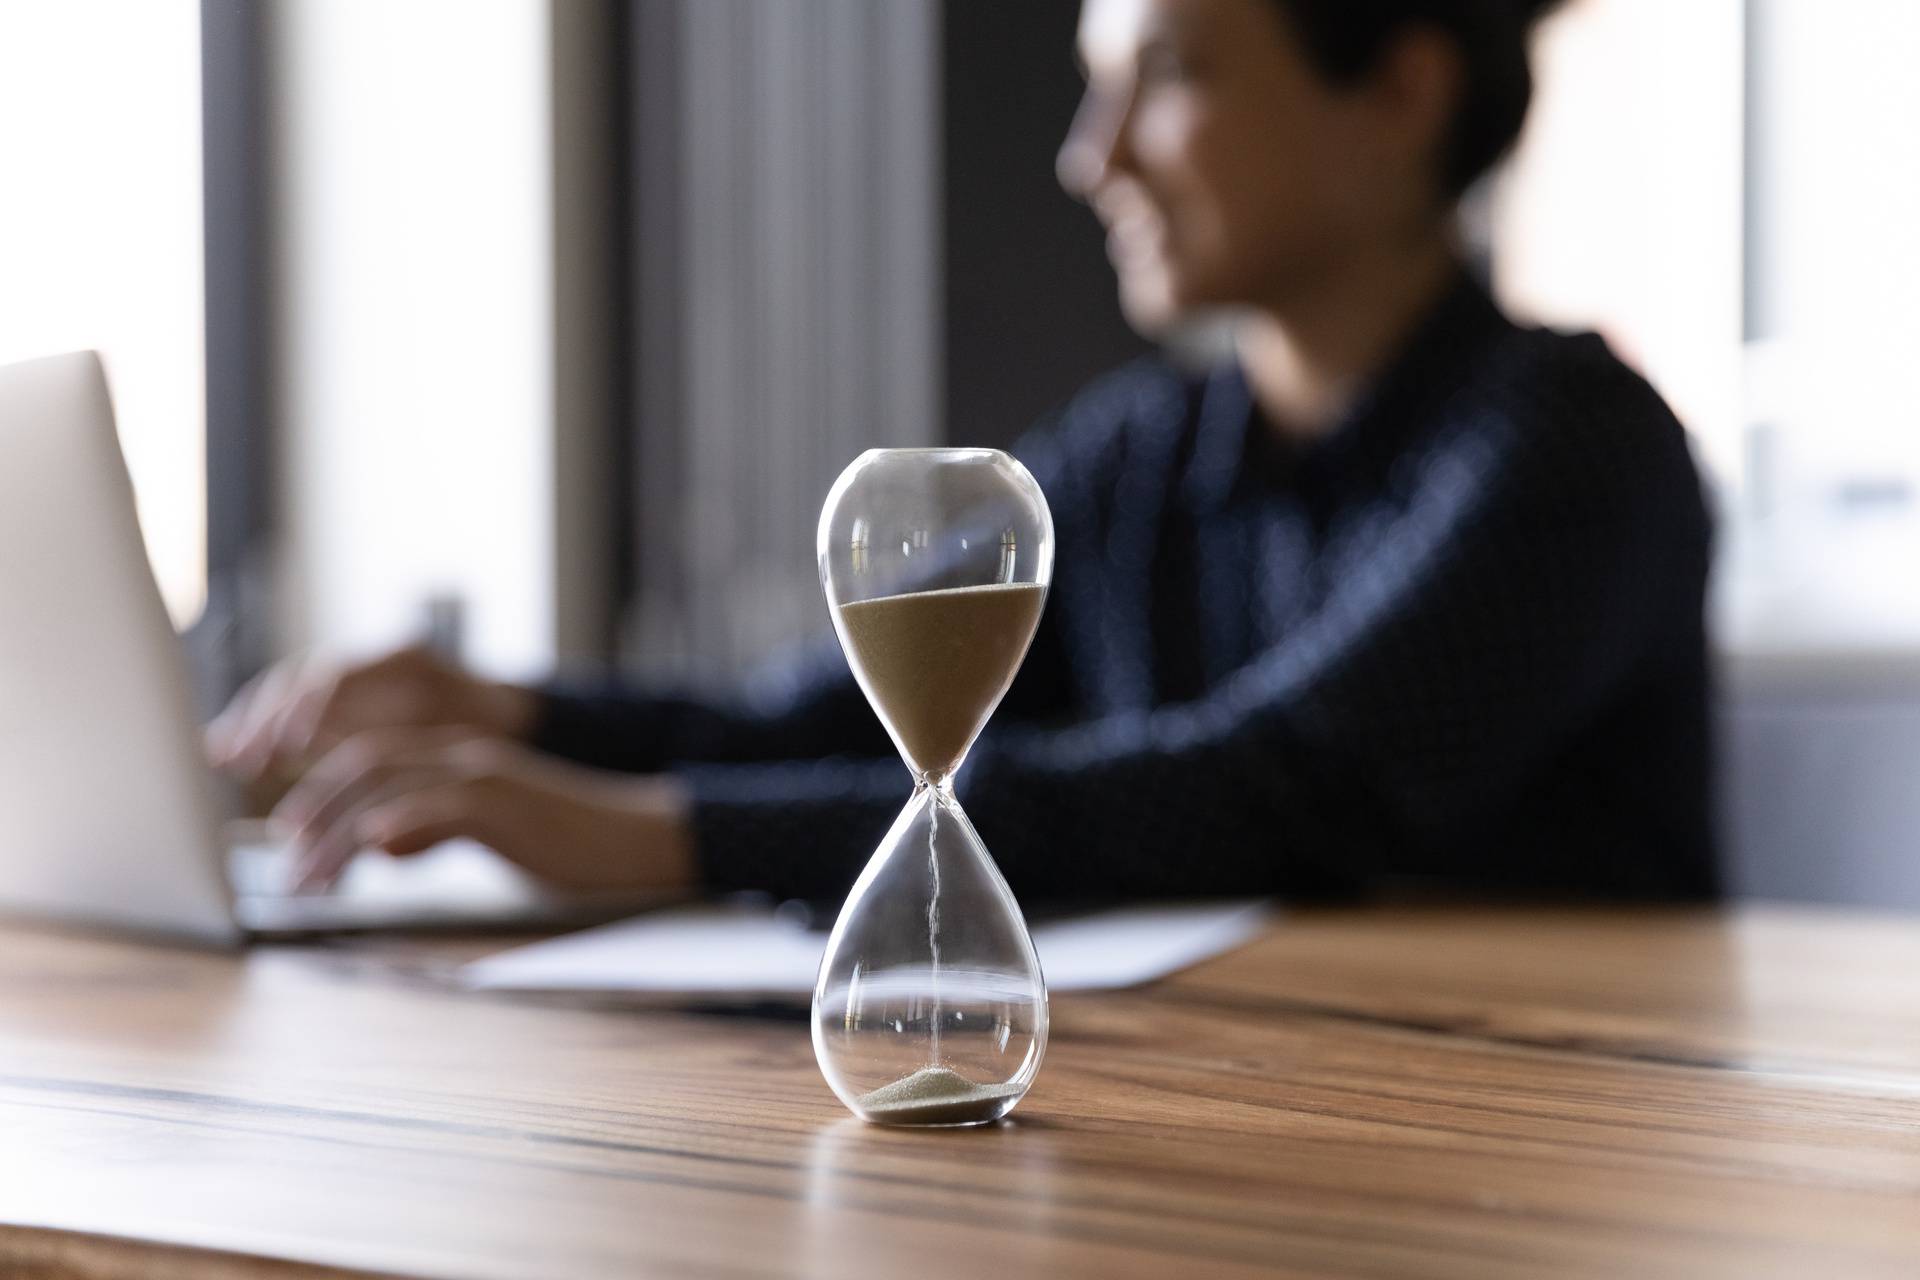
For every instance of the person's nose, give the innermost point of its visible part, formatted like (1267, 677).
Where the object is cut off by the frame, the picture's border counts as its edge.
(1096, 143)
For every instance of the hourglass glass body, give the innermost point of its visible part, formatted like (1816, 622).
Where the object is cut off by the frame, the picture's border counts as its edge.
(930, 1007)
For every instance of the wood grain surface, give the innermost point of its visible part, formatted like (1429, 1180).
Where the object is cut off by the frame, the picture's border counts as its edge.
(1393, 1092)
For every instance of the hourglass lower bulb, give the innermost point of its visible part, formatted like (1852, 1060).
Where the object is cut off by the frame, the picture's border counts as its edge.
(930, 1007)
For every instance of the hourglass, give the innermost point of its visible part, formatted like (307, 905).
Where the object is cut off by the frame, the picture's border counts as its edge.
(930, 1008)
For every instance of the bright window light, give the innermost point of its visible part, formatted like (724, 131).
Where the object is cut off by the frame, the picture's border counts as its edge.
(100, 237)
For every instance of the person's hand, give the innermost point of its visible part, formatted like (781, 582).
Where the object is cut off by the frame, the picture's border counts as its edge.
(299, 709)
(404, 790)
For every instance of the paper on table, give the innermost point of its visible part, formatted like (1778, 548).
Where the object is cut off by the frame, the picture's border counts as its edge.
(739, 953)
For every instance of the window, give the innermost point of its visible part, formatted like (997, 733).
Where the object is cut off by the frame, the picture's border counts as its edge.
(1725, 189)
(101, 242)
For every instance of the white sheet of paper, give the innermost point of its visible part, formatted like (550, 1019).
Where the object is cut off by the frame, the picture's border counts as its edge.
(741, 953)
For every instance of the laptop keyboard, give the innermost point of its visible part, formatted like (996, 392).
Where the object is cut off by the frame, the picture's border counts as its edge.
(260, 870)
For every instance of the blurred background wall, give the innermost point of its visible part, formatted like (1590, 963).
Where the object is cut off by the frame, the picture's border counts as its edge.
(580, 306)
(541, 326)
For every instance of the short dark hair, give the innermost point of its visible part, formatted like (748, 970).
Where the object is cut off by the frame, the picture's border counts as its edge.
(1345, 39)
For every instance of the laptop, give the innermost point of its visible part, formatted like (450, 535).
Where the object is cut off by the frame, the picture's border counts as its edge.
(109, 814)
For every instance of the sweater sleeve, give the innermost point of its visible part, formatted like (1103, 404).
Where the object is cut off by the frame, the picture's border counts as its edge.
(802, 703)
(1513, 590)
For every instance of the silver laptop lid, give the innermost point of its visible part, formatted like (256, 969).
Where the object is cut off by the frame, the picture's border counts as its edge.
(107, 814)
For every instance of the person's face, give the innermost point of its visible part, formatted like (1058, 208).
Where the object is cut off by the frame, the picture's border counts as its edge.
(1224, 168)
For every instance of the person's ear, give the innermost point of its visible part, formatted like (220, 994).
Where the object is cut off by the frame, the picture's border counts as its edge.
(1416, 90)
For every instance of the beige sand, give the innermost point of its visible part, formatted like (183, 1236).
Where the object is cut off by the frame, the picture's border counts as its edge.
(938, 1095)
(937, 662)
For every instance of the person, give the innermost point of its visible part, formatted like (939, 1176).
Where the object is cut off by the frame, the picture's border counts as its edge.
(1402, 591)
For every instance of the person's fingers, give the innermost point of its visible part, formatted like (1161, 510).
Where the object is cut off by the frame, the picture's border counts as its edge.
(318, 863)
(290, 739)
(333, 773)
(408, 687)
(298, 710)
(415, 822)
(223, 731)
(362, 761)
(325, 853)
(408, 817)
(309, 723)
(373, 768)
(254, 757)
(324, 840)
(230, 726)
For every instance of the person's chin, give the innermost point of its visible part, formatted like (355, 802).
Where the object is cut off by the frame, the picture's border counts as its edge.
(1150, 301)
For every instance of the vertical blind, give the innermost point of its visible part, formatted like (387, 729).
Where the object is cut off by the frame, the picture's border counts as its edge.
(788, 301)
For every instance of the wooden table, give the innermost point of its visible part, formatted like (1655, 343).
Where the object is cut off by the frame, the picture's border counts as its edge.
(1457, 1092)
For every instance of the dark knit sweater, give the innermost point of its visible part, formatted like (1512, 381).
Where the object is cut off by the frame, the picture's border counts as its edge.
(1457, 638)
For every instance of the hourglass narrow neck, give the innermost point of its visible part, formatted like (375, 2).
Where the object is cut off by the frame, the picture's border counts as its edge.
(941, 784)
